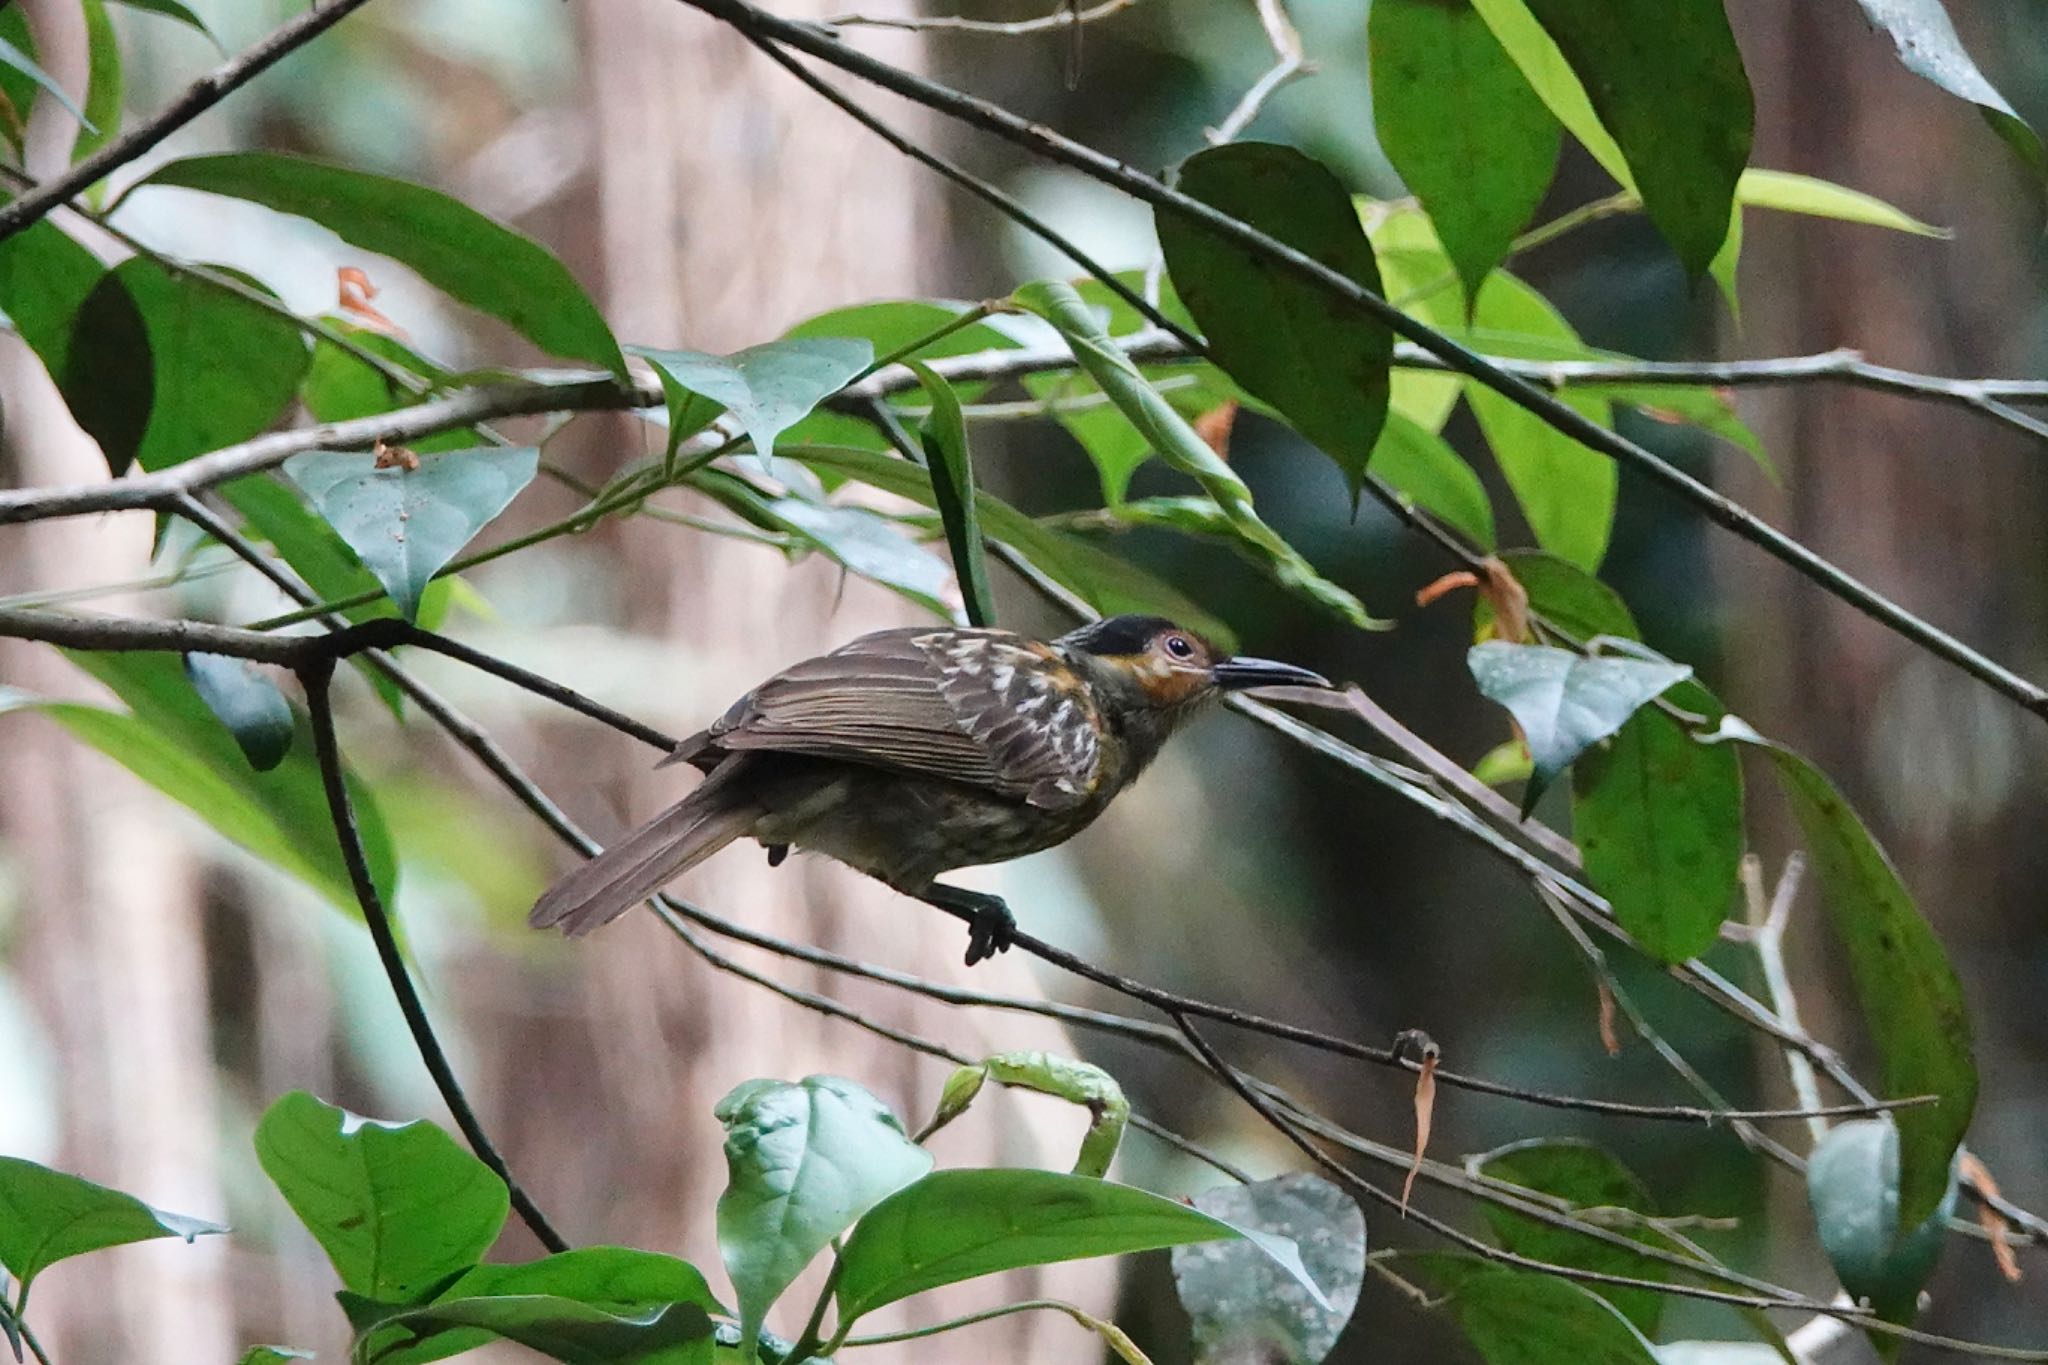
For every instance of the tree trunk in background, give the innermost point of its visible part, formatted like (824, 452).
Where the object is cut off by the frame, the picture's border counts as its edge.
(1937, 508)
(731, 202)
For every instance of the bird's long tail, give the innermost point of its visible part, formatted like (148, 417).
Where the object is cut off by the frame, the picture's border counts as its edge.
(640, 864)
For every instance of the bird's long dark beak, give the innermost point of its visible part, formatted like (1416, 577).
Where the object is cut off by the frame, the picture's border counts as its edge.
(1235, 675)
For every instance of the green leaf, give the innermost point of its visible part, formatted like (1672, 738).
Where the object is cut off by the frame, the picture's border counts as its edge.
(174, 743)
(1244, 1306)
(1176, 442)
(944, 437)
(865, 542)
(565, 1329)
(14, 57)
(273, 1355)
(45, 278)
(1115, 446)
(1667, 82)
(1544, 66)
(450, 245)
(405, 524)
(1657, 816)
(398, 1208)
(1565, 701)
(1421, 281)
(162, 366)
(1421, 466)
(1788, 192)
(1521, 1317)
(1928, 46)
(1905, 988)
(103, 87)
(1563, 594)
(47, 1216)
(339, 386)
(892, 324)
(803, 1161)
(1588, 1179)
(170, 9)
(1322, 363)
(767, 388)
(1852, 1182)
(1077, 1083)
(1461, 124)
(957, 1225)
(248, 703)
(1105, 582)
(1565, 490)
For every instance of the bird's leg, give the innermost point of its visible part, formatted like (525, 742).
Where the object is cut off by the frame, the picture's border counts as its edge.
(776, 853)
(990, 925)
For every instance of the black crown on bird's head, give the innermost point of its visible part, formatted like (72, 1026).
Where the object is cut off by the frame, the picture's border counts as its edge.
(1170, 666)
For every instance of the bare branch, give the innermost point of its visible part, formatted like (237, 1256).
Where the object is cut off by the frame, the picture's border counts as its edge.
(1000, 28)
(1287, 45)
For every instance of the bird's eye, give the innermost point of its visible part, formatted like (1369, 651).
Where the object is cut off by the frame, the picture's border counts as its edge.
(1178, 647)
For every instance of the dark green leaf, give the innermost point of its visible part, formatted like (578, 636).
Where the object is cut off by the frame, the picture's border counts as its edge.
(1667, 82)
(1102, 580)
(803, 1161)
(339, 386)
(1852, 1181)
(1551, 77)
(1905, 988)
(17, 91)
(1456, 117)
(1565, 701)
(944, 437)
(1587, 1178)
(1657, 816)
(1421, 466)
(767, 388)
(957, 1225)
(273, 1355)
(405, 524)
(1565, 596)
(170, 9)
(1323, 363)
(1927, 44)
(1170, 436)
(47, 1216)
(453, 247)
(248, 703)
(19, 60)
(1520, 1317)
(45, 278)
(174, 743)
(1566, 491)
(567, 1330)
(1243, 1305)
(398, 1208)
(103, 87)
(162, 366)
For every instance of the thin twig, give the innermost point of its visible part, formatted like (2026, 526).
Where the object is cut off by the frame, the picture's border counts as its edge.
(195, 100)
(316, 679)
(1287, 44)
(1769, 913)
(1000, 28)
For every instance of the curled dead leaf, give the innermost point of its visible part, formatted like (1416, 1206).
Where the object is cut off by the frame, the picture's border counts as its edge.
(1994, 1224)
(1609, 1039)
(355, 292)
(1416, 1042)
(1450, 582)
(1215, 425)
(395, 457)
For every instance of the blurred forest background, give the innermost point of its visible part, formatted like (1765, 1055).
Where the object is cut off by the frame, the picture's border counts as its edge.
(157, 987)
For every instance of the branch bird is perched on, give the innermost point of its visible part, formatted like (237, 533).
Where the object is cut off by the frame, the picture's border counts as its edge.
(911, 752)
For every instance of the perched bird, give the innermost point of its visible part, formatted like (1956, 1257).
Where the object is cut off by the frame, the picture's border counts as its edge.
(911, 752)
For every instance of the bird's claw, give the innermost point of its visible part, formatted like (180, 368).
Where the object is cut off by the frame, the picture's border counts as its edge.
(990, 931)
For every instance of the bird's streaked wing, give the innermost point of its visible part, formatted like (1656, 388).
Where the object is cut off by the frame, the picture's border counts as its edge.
(972, 706)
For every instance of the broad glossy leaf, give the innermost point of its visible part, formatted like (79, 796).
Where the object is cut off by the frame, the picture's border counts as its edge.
(45, 278)
(1544, 66)
(865, 542)
(1421, 466)
(47, 1216)
(1905, 988)
(1667, 82)
(248, 703)
(944, 437)
(1588, 1178)
(1107, 583)
(1323, 364)
(398, 1208)
(803, 1161)
(1520, 1317)
(1176, 442)
(1565, 701)
(339, 386)
(450, 245)
(961, 1224)
(1927, 43)
(1657, 815)
(405, 524)
(569, 1330)
(1852, 1182)
(174, 743)
(1566, 491)
(1461, 124)
(162, 366)
(1246, 1307)
(767, 388)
